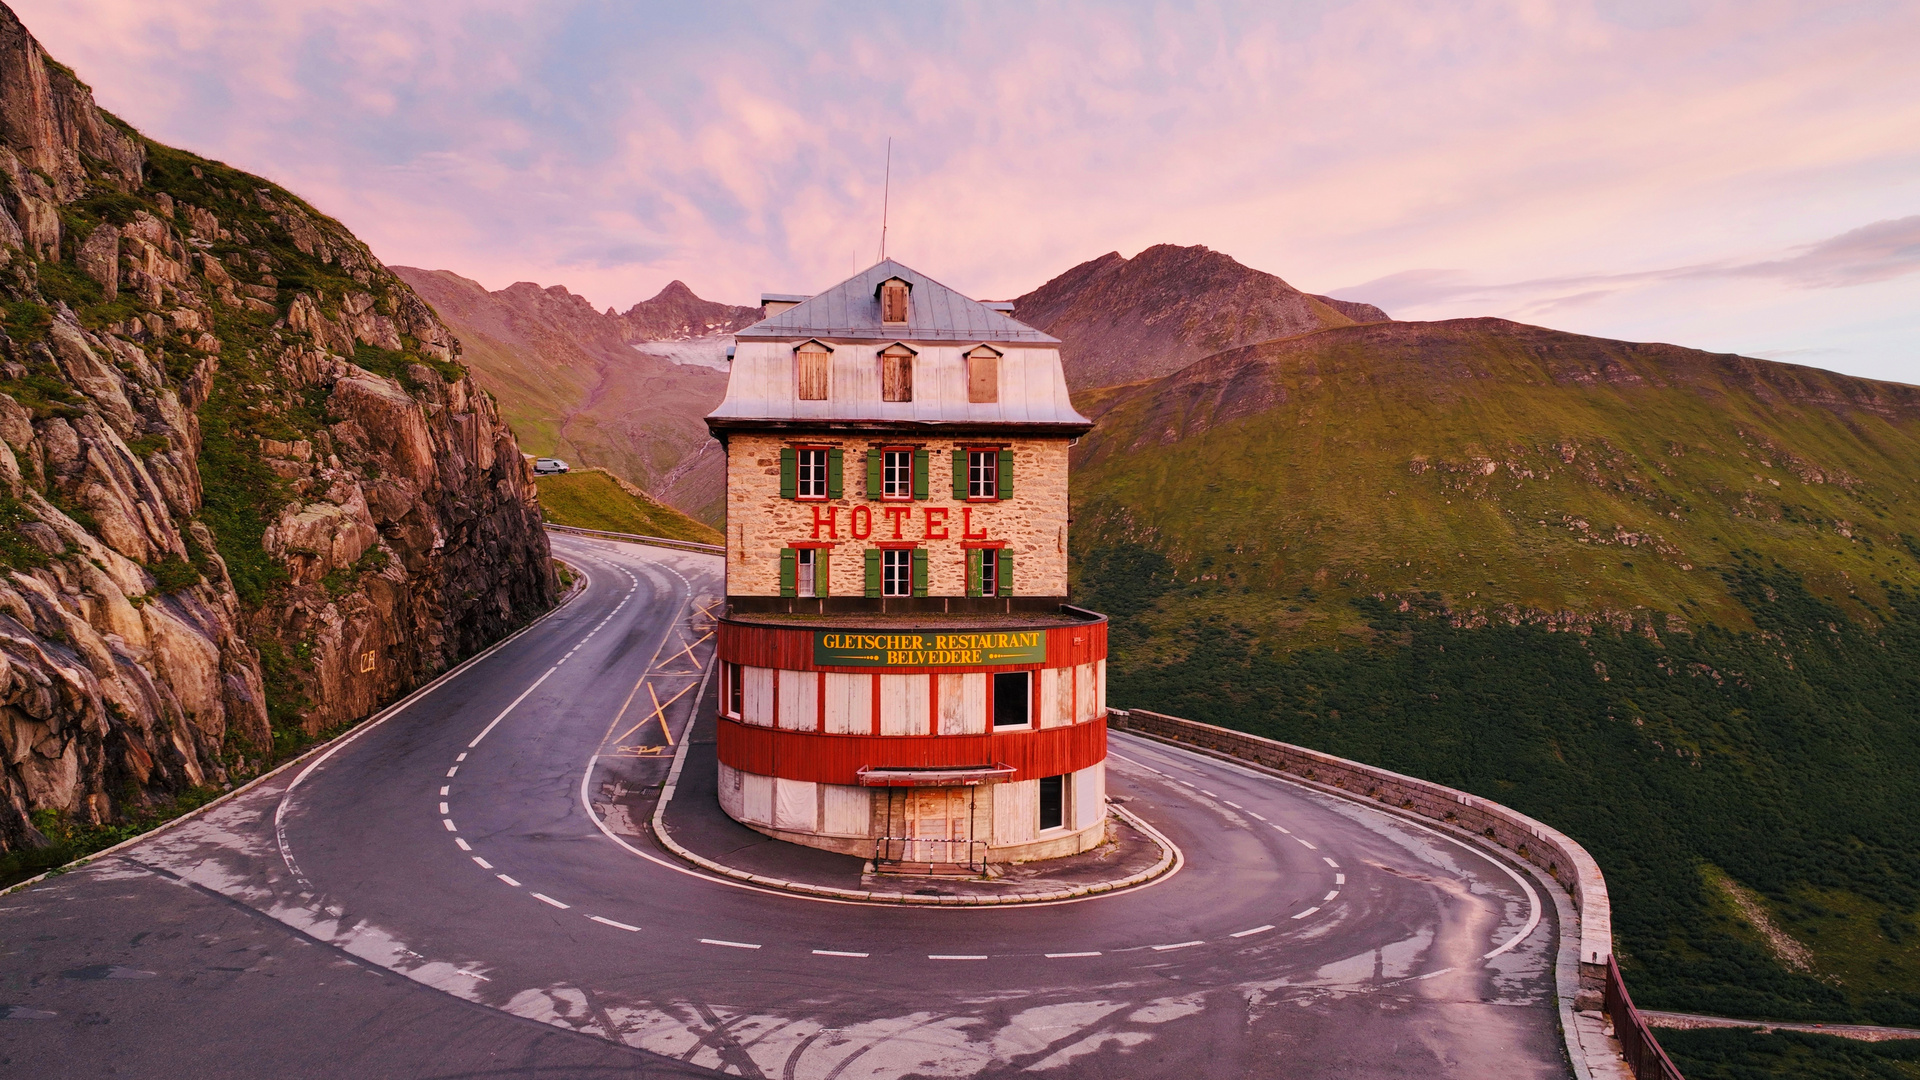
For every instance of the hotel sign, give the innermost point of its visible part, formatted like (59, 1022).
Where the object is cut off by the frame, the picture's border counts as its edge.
(833, 648)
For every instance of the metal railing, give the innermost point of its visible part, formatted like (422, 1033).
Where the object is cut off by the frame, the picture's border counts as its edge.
(657, 541)
(1637, 1043)
(915, 849)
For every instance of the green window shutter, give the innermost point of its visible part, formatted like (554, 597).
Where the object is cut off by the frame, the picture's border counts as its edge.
(960, 475)
(873, 474)
(973, 572)
(919, 571)
(1006, 572)
(873, 571)
(789, 565)
(1006, 474)
(920, 474)
(789, 473)
(822, 579)
(834, 487)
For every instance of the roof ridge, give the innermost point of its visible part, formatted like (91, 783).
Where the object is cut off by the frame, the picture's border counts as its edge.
(938, 313)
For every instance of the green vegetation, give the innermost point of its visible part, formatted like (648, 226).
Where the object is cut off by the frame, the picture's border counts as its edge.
(595, 500)
(1746, 1054)
(1455, 552)
(16, 551)
(71, 839)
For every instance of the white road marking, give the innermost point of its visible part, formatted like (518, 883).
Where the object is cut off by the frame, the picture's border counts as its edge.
(1069, 955)
(1256, 930)
(508, 880)
(443, 808)
(508, 709)
(1255, 814)
(1329, 862)
(1284, 829)
(836, 952)
(453, 770)
(1233, 804)
(1330, 895)
(727, 944)
(1177, 945)
(545, 899)
(615, 925)
(1339, 879)
(1306, 913)
(1188, 785)
(1307, 843)
(484, 864)
(1432, 974)
(462, 757)
(462, 844)
(953, 956)
(448, 822)
(444, 790)
(473, 975)
(1207, 793)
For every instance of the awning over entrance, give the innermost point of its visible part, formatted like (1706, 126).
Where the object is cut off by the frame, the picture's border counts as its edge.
(961, 776)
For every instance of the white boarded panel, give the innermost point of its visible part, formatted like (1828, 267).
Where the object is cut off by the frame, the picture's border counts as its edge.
(799, 700)
(903, 704)
(756, 696)
(1063, 694)
(1100, 687)
(848, 811)
(730, 790)
(756, 798)
(1050, 713)
(1085, 699)
(1016, 811)
(795, 804)
(1088, 790)
(973, 703)
(849, 703)
(953, 704)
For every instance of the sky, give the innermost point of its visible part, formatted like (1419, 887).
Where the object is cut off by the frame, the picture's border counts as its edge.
(1739, 177)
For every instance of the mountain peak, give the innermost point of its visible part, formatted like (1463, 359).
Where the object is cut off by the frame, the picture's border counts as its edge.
(1123, 319)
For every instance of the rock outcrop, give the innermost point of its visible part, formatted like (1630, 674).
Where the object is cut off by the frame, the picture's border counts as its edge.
(247, 491)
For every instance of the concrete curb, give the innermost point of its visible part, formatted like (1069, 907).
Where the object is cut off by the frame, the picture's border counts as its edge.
(1171, 858)
(573, 593)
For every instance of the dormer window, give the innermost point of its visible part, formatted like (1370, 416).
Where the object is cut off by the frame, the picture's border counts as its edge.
(893, 301)
(983, 374)
(896, 373)
(810, 366)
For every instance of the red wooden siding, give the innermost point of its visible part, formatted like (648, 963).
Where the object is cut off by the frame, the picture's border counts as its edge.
(835, 759)
(792, 650)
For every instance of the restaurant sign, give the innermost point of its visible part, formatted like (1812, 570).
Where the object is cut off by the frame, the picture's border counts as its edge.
(834, 648)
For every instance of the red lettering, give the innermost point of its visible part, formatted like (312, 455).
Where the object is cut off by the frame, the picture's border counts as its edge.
(898, 514)
(936, 519)
(966, 525)
(860, 523)
(832, 531)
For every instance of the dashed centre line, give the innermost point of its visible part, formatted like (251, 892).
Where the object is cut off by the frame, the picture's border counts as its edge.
(954, 956)
(615, 925)
(836, 952)
(1069, 955)
(729, 944)
(1177, 945)
(545, 899)
(1256, 930)
(508, 880)
(448, 822)
(1306, 913)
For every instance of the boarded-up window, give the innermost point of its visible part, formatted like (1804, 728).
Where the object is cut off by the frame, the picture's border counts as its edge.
(896, 374)
(810, 371)
(983, 375)
(893, 301)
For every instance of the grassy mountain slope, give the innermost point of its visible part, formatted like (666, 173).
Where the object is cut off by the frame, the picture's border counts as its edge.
(1668, 601)
(598, 500)
(624, 391)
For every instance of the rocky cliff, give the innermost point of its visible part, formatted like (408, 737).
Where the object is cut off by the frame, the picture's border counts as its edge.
(248, 493)
(1120, 320)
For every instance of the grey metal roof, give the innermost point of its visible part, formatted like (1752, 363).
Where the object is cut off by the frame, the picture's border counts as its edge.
(849, 311)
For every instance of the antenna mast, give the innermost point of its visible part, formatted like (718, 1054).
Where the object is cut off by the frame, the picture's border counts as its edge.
(886, 196)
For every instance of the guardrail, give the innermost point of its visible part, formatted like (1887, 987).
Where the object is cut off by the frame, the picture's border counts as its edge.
(1637, 1043)
(656, 541)
(1600, 986)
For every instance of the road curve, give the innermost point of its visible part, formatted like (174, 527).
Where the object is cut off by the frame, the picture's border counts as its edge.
(462, 889)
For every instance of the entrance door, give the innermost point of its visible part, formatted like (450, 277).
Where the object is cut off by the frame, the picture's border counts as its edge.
(934, 815)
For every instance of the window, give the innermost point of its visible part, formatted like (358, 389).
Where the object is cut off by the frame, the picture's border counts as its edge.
(896, 572)
(896, 373)
(893, 301)
(983, 375)
(810, 362)
(1053, 802)
(987, 576)
(1011, 698)
(813, 473)
(805, 562)
(896, 480)
(730, 675)
(983, 474)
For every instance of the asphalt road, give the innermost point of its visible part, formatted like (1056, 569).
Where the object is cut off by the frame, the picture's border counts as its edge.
(461, 890)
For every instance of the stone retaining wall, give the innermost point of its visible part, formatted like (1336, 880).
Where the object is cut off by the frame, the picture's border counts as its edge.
(1553, 851)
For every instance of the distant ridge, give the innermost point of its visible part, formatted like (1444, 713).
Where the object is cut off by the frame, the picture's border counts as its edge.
(1122, 320)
